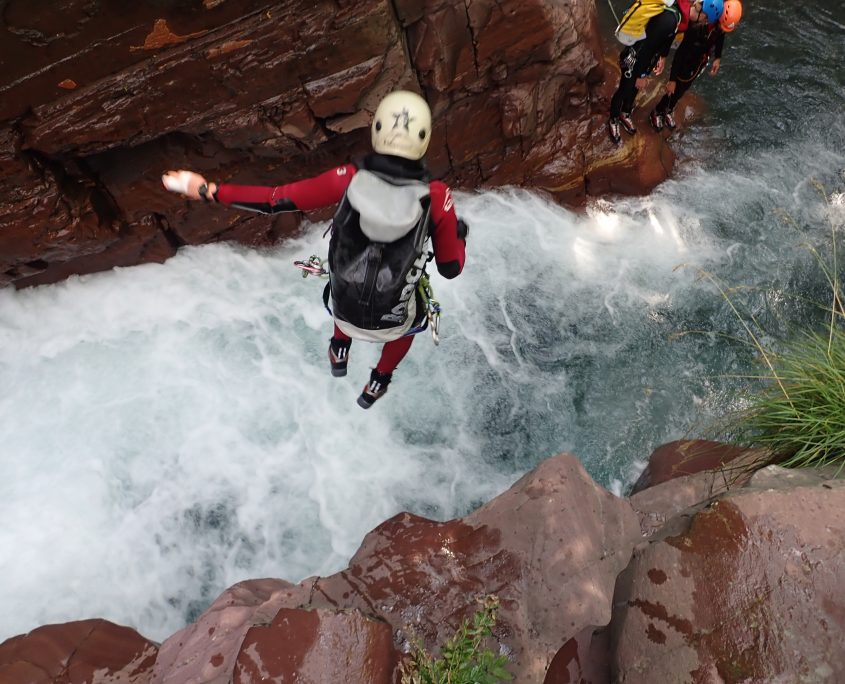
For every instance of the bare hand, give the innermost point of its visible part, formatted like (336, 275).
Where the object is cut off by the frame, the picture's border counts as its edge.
(641, 83)
(658, 69)
(715, 68)
(670, 87)
(184, 182)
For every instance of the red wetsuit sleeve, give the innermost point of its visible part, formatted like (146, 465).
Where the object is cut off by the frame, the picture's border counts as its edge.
(684, 6)
(311, 193)
(449, 249)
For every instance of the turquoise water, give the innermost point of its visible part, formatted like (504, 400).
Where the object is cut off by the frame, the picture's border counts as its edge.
(171, 429)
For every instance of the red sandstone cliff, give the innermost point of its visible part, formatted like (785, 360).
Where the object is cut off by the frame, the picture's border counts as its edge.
(97, 102)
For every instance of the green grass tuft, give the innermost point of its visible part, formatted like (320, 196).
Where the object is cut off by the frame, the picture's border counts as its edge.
(798, 414)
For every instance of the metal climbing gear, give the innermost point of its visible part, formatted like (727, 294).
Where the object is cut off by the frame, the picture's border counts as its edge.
(313, 265)
(627, 60)
(432, 307)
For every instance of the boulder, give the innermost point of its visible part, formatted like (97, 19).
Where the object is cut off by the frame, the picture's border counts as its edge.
(549, 548)
(690, 456)
(78, 653)
(247, 635)
(318, 646)
(749, 588)
(206, 650)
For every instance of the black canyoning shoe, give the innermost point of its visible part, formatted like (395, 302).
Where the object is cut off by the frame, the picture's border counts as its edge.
(627, 123)
(656, 120)
(374, 389)
(338, 356)
(614, 131)
(669, 120)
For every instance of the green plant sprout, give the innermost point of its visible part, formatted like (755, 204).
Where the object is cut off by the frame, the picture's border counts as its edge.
(462, 660)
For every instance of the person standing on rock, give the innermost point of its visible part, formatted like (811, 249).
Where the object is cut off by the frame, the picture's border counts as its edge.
(701, 41)
(388, 209)
(648, 29)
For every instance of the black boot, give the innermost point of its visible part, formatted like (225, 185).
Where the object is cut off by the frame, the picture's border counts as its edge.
(374, 389)
(627, 123)
(656, 119)
(613, 130)
(338, 356)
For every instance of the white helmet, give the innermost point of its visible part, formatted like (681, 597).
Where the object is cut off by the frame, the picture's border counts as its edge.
(402, 125)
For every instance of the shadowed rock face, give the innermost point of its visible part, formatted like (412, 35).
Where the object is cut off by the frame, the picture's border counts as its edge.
(96, 104)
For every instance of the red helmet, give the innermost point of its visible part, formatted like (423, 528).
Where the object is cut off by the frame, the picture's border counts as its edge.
(731, 15)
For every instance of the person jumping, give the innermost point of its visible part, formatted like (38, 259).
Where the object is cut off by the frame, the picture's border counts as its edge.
(388, 210)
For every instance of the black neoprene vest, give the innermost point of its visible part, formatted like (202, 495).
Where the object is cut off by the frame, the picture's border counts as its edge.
(372, 282)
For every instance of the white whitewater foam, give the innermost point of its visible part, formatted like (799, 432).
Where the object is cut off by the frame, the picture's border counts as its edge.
(168, 430)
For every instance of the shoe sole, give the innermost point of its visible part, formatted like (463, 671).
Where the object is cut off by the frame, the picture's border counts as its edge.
(629, 131)
(338, 372)
(364, 403)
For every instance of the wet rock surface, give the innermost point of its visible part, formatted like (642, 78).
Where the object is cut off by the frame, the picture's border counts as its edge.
(751, 591)
(78, 653)
(249, 635)
(549, 548)
(700, 578)
(690, 456)
(96, 104)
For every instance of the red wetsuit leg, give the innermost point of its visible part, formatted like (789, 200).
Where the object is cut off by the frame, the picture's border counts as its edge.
(339, 334)
(392, 353)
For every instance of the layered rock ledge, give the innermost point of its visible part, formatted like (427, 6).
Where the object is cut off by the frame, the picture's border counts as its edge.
(96, 104)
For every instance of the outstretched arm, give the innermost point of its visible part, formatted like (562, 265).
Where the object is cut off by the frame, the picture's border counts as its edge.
(448, 238)
(312, 193)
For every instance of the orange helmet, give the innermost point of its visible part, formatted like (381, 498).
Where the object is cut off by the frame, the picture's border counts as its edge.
(731, 15)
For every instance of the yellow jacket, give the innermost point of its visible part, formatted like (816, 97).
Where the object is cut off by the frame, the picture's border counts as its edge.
(632, 25)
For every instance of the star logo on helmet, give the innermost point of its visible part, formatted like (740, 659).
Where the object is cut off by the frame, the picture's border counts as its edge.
(404, 119)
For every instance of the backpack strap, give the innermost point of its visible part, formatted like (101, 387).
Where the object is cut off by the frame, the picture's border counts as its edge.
(327, 293)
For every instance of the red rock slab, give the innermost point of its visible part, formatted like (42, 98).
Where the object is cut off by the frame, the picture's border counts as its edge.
(550, 548)
(750, 592)
(86, 42)
(688, 457)
(582, 660)
(78, 653)
(316, 647)
(206, 651)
